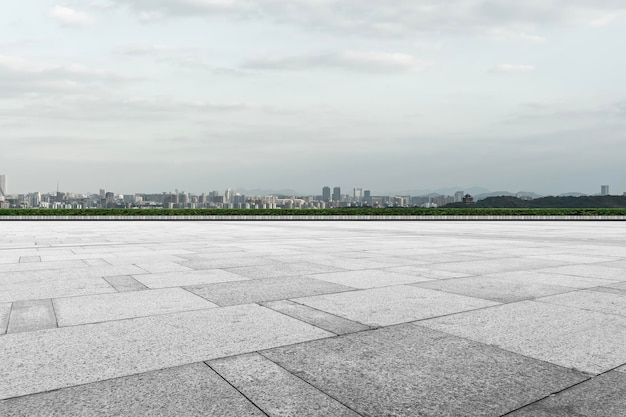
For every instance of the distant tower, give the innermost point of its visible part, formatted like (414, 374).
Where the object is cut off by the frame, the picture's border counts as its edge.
(337, 194)
(357, 193)
(458, 197)
(3, 186)
(228, 195)
(604, 190)
(326, 193)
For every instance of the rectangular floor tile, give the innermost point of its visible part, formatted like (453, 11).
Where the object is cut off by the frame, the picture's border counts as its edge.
(490, 266)
(178, 279)
(585, 340)
(495, 289)
(51, 359)
(158, 267)
(425, 272)
(189, 390)
(393, 305)
(537, 277)
(276, 391)
(591, 271)
(27, 259)
(32, 315)
(317, 318)
(73, 311)
(125, 283)
(411, 371)
(602, 396)
(591, 300)
(269, 289)
(5, 310)
(281, 270)
(228, 262)
(369, 278)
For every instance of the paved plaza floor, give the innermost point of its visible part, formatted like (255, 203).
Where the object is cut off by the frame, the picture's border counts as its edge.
(179, 318)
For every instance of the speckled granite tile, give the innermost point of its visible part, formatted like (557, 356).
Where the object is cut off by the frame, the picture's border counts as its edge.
(276, 391)
(124, 283)
(591, 300)
(179, 279)
(369, 278)
(31, 315)
(5, 310)
(406, 370)
(190, 390)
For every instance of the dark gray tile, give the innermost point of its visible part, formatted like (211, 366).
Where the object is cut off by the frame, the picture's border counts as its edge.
(269, 289)
(124, 283)
(602, 396)
(406, 371)
(276, 391)
(190, 390)
(317, 318)
(32, 315)
(590, 300)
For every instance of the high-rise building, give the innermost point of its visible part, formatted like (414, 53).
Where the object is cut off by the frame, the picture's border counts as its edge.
(604, 190)
(458, 197)
(357, 193)
(326, 193)
(3, 186)
(337, 194)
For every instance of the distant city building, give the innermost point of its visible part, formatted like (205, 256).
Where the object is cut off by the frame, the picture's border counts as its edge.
(337, 194)
(3, 186)
(357, 194)
(326, 193)
(458, 197)
(468, 199)
(604, 190)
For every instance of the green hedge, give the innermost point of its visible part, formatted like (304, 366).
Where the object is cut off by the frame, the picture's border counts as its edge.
(322, 212)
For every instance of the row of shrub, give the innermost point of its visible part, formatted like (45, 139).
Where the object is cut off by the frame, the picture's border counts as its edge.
(356, 211)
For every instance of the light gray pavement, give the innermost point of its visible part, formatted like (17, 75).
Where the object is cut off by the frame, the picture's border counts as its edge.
(387, 318)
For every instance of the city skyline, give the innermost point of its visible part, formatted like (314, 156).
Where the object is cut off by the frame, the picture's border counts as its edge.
(412, 94)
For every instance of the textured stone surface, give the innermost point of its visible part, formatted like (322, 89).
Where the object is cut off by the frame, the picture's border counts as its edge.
(282, 270)
(409, 371)
(537, 277)
(602, 396)
(5, 310)
(393, 305)
(118, 306)
(50, 359)
(124, 283)
(574, 338)
(317, 318)
(269, 289)
(276, 391)
(32, 315)
(490, 266)
(425, 272)
(591, 300)
(591, 271)
(495, 289)
(369, 278)
(190, 390)
(175, 279)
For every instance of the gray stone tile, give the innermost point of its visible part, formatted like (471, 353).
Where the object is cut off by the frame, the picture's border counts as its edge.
(40, 266)
(276, 391)
(602, 396)
(125, 283)
(73, 311)
(536, 277)
(27, 259)
(393, 305)
(178, 279)
(281, 270)
(32, 315)
(369, 278)
(573, 258)
(159, 267)
(317, 318)
(408, 371)
(491, 266)
(51, 359)
(269, 289)
(591, 300)
(591, 271)
(228, 262)
(585, 340)
(425, 272)
(350, 263)
(495, 289)
(96, 262)
(190, 390)
(5, 310)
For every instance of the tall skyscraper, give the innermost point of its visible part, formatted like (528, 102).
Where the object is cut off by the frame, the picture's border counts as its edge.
(326, 193)
(458, 197)
(357, 193)
(3, 186)
(337, 194)
(604, 190)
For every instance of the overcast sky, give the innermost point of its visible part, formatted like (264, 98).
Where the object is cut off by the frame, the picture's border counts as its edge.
(153, 95)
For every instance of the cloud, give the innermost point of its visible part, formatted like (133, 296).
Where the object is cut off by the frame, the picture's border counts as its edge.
(377, 62)
(512, 69)
(70, 17)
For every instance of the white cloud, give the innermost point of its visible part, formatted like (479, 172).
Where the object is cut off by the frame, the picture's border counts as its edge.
(70, 17)
(606, 19)
(512, 68)
(349, 60)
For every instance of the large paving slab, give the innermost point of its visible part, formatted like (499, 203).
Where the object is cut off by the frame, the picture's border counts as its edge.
(189, 390)
(125, 283)
(490, 266)
(574, 338)
(268, 289)
(73, 311)
(5, 311)
(411, 371)
(602, 396)
(393, 305)
(369, 278)
(275, 390)
(282, 270)
(178, 279)
(31, 315)
(51, 359)
(591, 300)
(591, 271)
